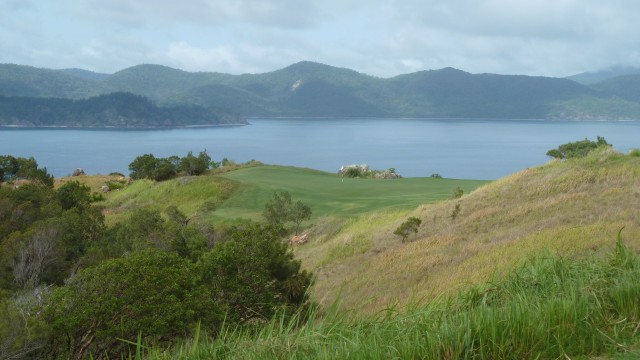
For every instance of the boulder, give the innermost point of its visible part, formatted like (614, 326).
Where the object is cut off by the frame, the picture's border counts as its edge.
(78, 172)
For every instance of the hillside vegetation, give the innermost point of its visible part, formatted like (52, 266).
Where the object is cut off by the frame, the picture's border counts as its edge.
(243, 193)
(527, 266)
(308, 89)
(121, 110)
(570, 208)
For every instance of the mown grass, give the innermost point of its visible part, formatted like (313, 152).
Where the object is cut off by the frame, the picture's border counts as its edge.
(550, 307)
(243, 193)
(331, 195)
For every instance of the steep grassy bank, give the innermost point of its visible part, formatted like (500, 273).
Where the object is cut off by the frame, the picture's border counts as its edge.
(551, 307)
(571, 208)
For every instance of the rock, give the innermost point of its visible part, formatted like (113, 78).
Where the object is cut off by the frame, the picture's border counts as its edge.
(105, 189)
(387, 175)
(78, 172)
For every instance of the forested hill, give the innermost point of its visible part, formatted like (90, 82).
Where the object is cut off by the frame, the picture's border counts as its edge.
(308, 89)
(121, 110)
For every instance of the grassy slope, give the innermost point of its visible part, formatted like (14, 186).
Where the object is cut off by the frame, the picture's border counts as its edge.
(550, 308)
(192, 195)
(329, 195)
(571, 207)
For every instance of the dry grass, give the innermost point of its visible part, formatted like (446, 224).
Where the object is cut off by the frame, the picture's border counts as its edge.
(569, 208)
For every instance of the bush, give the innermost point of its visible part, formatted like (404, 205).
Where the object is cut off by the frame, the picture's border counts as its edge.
(159, 169)
(353, 172)
(634, 152)
(457, 193)
(411, 225)
(255, 274)
(151, 293)
(576, 149)
(281, 209)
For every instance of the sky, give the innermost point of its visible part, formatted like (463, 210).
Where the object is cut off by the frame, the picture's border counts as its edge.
(382, 38)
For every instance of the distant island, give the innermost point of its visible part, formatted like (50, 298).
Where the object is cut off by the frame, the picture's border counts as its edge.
(160, 96)
(115, 110)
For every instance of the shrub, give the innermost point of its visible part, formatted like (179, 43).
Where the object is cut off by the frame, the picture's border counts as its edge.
(411, 225)
(457, 193)
(353, 172)
(577, 149)
(255, 274)
(455, 212)
(281, 209)
(634, 152)
(436, 176)
(151, 293)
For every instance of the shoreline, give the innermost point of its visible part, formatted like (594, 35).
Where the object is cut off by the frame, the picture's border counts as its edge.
(65, 127)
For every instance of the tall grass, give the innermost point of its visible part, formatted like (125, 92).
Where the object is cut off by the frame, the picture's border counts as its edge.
(551, 307)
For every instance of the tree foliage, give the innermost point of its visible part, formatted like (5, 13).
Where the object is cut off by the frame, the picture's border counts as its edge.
(71, 287)
(411, 225)
(577, 149)
(118, 109)
(151, 292)
(281, 209)
(12, 168)
(254, 273)
(159, 169)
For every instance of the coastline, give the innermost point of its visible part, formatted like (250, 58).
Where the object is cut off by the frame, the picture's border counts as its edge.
(65, 127)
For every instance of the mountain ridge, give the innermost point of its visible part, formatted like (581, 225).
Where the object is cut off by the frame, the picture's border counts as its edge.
(310, 89)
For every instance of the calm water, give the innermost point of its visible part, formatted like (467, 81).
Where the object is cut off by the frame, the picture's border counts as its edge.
(465, 149)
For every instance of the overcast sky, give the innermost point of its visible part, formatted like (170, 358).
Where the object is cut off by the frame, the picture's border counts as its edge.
(377, 37)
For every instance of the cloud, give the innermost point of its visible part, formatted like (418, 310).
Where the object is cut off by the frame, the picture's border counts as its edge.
(211, 13)
(378, 37)
(229, 59)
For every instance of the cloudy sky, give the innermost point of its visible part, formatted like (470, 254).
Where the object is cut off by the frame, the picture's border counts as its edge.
(378, 37)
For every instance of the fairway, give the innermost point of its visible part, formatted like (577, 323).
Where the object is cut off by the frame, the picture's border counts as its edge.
(329, 194)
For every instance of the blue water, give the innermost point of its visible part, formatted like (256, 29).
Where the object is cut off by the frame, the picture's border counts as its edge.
(464, 149)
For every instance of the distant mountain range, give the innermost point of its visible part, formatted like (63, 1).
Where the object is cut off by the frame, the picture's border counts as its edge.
(308, 89)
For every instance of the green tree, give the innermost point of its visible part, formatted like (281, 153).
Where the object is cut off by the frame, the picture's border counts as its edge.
(151, 293)
(73, 194)
(577, 149)
(143, 167)
(276, 211)
(298, 213)
(281, 209)
(164, 170)
(8, 168)
(254, 272)
(192, 165)
(411, 225)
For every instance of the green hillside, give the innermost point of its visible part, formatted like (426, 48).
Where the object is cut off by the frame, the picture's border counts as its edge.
(625, 87)
(540, 264)
(523, 258)
(308, 89)
(572, 207)
(243, 193)
(121, 110)
(20, 80)
(595, 77)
